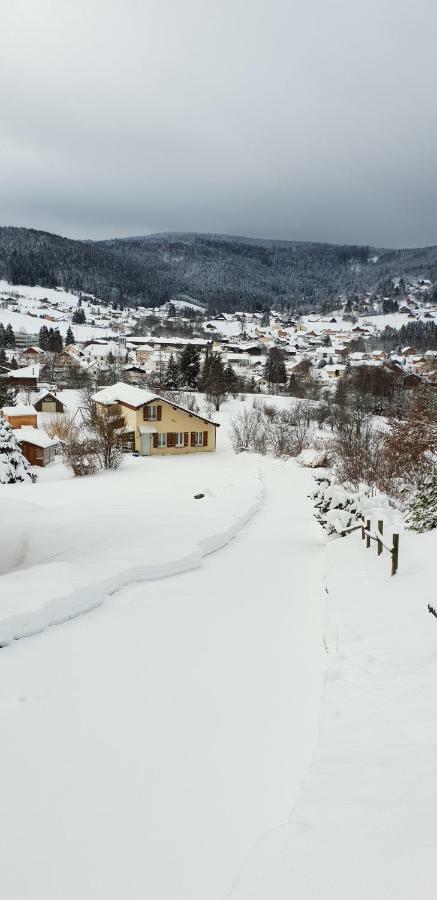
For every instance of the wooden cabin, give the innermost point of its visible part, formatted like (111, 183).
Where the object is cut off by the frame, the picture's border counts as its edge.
(47, 401)
(38, 448)
(20, 415)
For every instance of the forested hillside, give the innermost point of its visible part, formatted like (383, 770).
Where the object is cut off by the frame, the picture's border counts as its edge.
(225, 272)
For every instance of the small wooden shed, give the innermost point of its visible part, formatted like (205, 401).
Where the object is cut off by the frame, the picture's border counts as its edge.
(47, 401)
(36, 445)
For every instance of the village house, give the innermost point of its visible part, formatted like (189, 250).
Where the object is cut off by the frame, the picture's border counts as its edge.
(20, 415)
(335, 372)
(36, 445)
(47, 401)
(27, 377)
(38, 448)
(32, 354)
(155, 426)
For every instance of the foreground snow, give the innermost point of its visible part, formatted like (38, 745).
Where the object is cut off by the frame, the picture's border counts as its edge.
(167, 744)
(364, 826)
(67, 545)
(151, 744)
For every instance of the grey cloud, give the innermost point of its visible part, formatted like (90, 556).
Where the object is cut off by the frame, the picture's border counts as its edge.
(281, 119)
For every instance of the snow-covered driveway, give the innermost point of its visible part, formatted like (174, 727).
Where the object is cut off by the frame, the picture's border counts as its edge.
(147, 746)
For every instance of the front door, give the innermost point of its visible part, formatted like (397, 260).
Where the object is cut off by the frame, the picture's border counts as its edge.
(145, 444)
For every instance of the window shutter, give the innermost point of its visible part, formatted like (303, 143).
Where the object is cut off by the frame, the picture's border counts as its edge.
(205, 438)
(155, 441)
(159, 413)
(145, 413)
(169, 439)
(193, 438)
(185, 438)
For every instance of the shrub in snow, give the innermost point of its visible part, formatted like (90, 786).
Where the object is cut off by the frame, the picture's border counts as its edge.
(80, 455)
(336, 509)
(266, 429)
(422, 507)
(314, 457)
(13, 465)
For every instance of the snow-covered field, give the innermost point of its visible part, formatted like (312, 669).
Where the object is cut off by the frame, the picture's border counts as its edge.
(364, 825)
(30, 317)
(167, 743)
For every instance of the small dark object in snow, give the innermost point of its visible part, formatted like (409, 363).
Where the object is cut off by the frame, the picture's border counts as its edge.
(198, 496)
(432, 610)
(136, 453)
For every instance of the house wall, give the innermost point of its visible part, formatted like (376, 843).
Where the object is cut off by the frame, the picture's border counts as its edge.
(18, 421)
(45, 405)
(172, 420)
(178, 420)
(22, 382)
(37, 456)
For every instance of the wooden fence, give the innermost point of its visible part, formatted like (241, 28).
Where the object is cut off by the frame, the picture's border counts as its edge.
(378, 536)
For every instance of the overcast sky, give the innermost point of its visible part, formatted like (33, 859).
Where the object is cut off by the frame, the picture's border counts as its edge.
(312, 120)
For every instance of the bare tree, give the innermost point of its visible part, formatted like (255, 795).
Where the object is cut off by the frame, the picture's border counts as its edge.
(106, 428)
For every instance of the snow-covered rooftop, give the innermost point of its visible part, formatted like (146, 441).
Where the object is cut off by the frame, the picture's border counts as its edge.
(35, 436)
(19, 411)
(123, 393)
(26, 372)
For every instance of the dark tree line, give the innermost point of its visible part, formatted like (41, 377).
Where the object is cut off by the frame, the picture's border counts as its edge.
(223, 273)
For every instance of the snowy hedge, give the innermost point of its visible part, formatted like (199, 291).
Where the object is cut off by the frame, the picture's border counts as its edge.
(422, 507)
(335, 508)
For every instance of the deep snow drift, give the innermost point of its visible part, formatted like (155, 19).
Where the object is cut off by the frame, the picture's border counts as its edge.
(364, 826)
(150, 744)
(167, 744)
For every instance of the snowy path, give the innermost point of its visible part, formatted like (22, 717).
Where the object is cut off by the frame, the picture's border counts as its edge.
(149, 745)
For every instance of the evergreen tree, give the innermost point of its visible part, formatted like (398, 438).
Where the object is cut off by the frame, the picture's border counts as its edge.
(275, 371)
(231, 380)
(9, 336)
(69, 338)
(213, 380)
(189, 365)
(171, 378)
(79, 317)
(55, 344)
(13, 465)
(422, 508)
(7, 393)
(2, 335)
(44, 337)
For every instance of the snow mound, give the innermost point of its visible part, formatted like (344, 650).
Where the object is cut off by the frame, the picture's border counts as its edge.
(54, 570)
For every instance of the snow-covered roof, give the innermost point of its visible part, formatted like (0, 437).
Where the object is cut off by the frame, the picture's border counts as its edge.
(43, 393)
(136, 397)
(26, 372)
(147, 429)
(19, 411)
(35, 436)
(124, 393)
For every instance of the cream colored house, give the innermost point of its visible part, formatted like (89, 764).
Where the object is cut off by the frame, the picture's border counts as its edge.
(156, 426)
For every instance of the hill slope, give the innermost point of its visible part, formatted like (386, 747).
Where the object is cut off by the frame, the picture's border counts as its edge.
(225, 272)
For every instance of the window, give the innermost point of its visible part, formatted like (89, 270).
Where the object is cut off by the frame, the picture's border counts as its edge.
(198, 439)
(151, 412)
(162, 440)
(179, 442)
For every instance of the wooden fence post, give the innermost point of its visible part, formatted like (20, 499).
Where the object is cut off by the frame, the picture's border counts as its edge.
(381, 531)
(362, 533)
(368, 536)
(395, 554)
